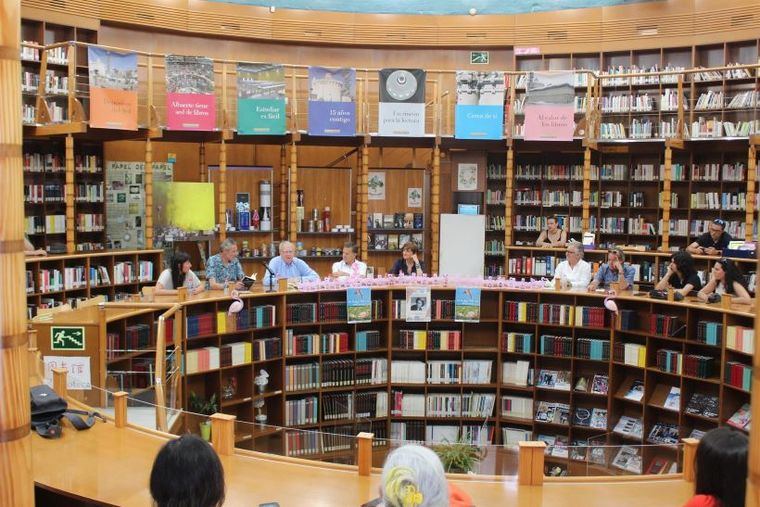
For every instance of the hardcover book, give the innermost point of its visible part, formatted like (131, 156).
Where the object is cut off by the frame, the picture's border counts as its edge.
(636, 392)
(599, 384)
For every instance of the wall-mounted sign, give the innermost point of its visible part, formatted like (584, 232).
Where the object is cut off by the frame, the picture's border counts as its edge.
(67, 338)
(480, 57)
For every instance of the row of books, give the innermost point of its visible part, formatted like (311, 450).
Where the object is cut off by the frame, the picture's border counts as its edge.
(88, 192)
(332, 439)
(418, 431)
(442, 404)
(135, 337)
(738, 375)
(417, 339)
(127, 272)
(694, 365)
(718, 200)
(383, 241)
(202, 359)
(299, 377)
(740, 338)
(307, 313)
(255, 317)
(396, 221)
(550, 313)
(41, 193)
(471, 371)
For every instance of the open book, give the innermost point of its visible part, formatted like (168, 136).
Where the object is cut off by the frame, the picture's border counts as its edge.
(248, 281)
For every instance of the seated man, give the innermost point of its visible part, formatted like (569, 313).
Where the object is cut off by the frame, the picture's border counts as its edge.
(573, 270)
(286, 265)
(350, 265)
(614, 270)
(225, 267)
(713, 241)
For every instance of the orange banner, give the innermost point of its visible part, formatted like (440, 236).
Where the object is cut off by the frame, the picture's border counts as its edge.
(113, 109)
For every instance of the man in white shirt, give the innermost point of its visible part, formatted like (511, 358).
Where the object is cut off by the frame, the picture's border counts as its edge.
(574, 270)
(349, 266)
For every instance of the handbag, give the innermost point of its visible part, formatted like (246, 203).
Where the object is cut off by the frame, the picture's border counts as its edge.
(48, 409)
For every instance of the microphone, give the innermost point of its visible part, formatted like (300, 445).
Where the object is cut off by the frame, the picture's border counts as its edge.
(272, 276)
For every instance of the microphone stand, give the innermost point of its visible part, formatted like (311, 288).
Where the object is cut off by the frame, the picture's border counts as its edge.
(271, 277)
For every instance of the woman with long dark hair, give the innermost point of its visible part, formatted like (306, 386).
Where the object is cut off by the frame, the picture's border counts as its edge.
(681, 275)
(178, 274)
(726, 279)
(721, 469)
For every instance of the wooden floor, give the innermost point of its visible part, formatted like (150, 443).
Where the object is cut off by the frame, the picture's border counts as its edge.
(113, 465)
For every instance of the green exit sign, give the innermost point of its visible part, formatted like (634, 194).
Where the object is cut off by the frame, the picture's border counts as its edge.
(67, 338)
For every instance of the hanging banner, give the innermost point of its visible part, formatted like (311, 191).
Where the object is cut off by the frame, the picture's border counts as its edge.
(113, 89)
(332, 101)
(549, 106)
(402, 102)
(480, 105)
(261, 99)
(190, 99)
(467, 304)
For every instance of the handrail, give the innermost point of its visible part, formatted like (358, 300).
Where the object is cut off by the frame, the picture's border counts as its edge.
(160, 363)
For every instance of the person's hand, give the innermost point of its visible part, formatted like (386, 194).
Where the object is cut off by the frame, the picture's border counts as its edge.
(239, 286)
(415, 259)
(593, 285)
(197, 290)
(711, 251)
(41, 252)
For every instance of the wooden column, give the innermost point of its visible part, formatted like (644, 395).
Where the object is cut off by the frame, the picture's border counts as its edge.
(665, 231)
(530, 468)
(509, 197)
(283, 191)
(364, 451)
(16, 485)
(292, 186)
(202, 167)
(60, 382)
(586, 212)
(435, 209)
(749, 218)
(148, 193)
(223, 433)
(689, 456)
(120, 409)
(69, 192)
(753, 468)
(222, 191)
(363, 196)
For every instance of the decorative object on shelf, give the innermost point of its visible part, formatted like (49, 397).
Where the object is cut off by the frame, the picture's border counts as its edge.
(230, 389)
(611, 305)
(467, 304)
(265, 205)
(204, 407)
(261, 380)
(424, 280)
(243, 211)
(236, 305)
(260, 417)
(458, 457)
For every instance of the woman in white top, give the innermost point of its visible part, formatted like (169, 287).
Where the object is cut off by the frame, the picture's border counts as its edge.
(574, 270)
(350, 265)
(726, 279)
(178, 275)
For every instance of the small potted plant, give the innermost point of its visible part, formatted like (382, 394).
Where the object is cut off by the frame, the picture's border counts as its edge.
(458, 457)
(204, 407)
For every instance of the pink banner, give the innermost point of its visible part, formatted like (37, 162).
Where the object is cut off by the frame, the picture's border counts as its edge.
(549, 122)
(191, 111)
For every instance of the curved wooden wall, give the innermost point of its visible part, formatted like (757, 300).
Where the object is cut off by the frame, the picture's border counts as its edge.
(655, 24)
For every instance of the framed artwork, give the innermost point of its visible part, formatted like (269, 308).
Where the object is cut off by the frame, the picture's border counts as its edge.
(467, 177)
(414, 197)
(376, 185)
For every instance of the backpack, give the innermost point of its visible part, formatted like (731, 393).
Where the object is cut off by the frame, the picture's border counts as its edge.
(48, 409)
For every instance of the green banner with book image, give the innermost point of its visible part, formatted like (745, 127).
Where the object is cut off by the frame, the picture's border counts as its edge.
(261, 99)
(467, 304)
(359, 304)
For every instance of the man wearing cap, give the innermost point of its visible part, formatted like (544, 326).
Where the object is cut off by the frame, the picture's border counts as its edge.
(713, 241)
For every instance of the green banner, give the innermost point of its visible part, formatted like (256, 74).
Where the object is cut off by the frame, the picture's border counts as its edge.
(261, 99)
(261, 116)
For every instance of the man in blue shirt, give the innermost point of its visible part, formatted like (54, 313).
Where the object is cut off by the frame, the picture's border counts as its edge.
(225, 267)
(614, 270)
(286, 265)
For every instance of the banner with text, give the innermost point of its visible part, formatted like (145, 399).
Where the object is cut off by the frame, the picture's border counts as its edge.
(190, 99)
(402, 102)
(549, 106)
(332, 101)
(113, 89)
(480, 105)
(261, 99)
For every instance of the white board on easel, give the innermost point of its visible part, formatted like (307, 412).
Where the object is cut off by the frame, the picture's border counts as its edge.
(462, 245)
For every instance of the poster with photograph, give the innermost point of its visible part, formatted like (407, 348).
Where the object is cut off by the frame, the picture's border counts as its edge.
(414, 197)
(549, 106)
(113, 89)
(190, 99)
(359, 304)
(467, 177)
(480, 105)
(261, 99)
(418, 304)
(332, 101)
(376, 185)
(402, 102)
(467, 304)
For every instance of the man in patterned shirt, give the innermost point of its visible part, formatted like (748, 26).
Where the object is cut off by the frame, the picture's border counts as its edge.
(225, 267)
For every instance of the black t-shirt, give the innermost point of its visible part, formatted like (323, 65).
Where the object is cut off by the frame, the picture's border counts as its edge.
(677, 283)
(706, 241)
(400, 266)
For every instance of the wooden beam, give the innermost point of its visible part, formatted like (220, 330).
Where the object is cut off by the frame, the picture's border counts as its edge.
(753, 468)
(749, 217)
(364, 453)
(586, 211)
(363, 198)
(148, 193)
(120, 409)
(435, 209)
(223, 433)
(283, 225)
(59, 129)
(293, 186)
(665, 232)
(689, 457)
(509, 199)
(69, 193)
(222, 191)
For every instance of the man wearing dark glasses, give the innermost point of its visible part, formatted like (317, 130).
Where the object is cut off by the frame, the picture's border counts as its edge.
(713, 242)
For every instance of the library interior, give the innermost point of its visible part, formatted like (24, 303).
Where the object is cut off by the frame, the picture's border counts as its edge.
(401, 254)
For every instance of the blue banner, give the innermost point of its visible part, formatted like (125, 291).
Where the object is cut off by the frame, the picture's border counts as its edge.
(332, 101)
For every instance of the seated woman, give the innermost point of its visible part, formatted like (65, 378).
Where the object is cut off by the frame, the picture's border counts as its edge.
(553, 235)
(721, 469)
(29, 249)
(177, 275)
(681, 275)
(187, 471)
(409, 262)
(726, 279)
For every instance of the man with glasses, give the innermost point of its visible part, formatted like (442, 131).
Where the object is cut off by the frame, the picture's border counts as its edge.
(224, 268)
(713, 242)
(573, 271)
(614, 270)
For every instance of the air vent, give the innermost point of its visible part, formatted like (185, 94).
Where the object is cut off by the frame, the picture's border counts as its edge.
(57, 4)
(471, 35)
(557, 35)
(743, 20)
(228, 26)
(647, 30)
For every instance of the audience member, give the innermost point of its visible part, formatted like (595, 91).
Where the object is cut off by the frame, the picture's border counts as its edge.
(286, 265)
(681, 275)
(349, 265)
(726, 279)
(721, 469)
(29, 249)
(224, 267)
(614, 270)
(413, 477)
(178, 275)
(552, 235)
(409, 262)
(713, 241)
(573, 271)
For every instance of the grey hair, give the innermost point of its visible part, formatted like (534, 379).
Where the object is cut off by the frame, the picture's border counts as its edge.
(577, 245)
(283, 244)
(227, 244)
(418, 466)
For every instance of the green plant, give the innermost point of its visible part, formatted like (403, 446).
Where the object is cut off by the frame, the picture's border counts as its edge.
(199, 405)
(458, 457)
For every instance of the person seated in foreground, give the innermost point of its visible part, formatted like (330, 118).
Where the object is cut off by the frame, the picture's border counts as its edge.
(725, 278)
(552, 235)
(224, 267)
(614, 270)
(681, 275)
(178, 275)
(187, 472)
(573, 271)
(349, 265)
(286, 265)
(29, 249)
(713, 241)
(721, 469)
(409, 262)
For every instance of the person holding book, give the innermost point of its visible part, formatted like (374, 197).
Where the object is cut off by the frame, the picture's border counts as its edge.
(681, 274)
(349, 265)
(409, 262)
(721, 469)
(713, 241)
(553, 235)
(573, 271)
(224, 267)
(187, 471)
(614, 270)
(29, 249)
(286, 265)
(178, 275)
(725, 279)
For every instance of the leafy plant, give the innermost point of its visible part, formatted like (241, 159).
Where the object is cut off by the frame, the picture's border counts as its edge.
(199, 405)
(458, 457)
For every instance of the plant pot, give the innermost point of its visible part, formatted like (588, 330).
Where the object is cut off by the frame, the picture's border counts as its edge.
(205, 427)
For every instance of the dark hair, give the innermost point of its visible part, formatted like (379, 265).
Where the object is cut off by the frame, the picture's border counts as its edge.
(552, 217)
(178, 277)
(722, 466)
(720, 222)
(684, 264)
(732, 275)
(411, 246)
(354, 247)
(187, 473)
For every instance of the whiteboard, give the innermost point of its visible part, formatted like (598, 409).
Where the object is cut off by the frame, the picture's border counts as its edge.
(462, 246)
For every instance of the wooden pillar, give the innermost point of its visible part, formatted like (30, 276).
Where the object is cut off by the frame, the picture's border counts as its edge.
(148, 193)
(222, 191)
(753, 469)
(120, 409)
(749, 218)
(69, 192)
(283, 191)
(509, 197)
(665, 232)
(435, 209)
(586, 212)
(364, 451)
(202, 167)
(293, 186)
(364, 196)
(60, 382)
(16, 485)
(530, 468)
(689, 456)
(223, 433)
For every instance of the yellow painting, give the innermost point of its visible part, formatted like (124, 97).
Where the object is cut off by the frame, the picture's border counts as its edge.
(183, 206)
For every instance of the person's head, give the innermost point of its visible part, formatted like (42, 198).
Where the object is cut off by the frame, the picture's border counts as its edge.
(287, 251)
(721, 466)
(574, 252)
(187, 472)
(552, 223)
(716, 228)
(180, 266)
(349, 252)
(228, 249)
(413, 476)
(408, 249)
(615, 254)
(683, 263)
(725, 271)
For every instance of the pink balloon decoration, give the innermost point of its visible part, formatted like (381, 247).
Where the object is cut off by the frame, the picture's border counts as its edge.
(611, 305)
(236, 306)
